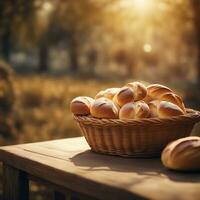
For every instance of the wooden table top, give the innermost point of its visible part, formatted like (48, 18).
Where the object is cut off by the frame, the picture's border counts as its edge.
(71, 164)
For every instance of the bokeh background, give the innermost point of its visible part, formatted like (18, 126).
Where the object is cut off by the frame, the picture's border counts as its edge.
(54, 50)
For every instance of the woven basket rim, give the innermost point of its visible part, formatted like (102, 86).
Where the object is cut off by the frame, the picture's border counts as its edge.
(192, 116)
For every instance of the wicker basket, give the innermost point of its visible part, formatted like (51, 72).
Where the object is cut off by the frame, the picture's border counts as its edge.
(135, 138)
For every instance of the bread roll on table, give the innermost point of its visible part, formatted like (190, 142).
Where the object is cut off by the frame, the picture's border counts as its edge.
(81, 105)
(124, 95)
(104, 108)
(182, 154)
(135, 110)
(173, 98)
(108, 93)
(155, 91)
(168, 109)
(139, 89)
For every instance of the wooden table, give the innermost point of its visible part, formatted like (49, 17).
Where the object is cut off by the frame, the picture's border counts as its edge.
(71, 168)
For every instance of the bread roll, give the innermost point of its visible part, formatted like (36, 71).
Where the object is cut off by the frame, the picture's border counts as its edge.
(182, 154)
(124, 95)
(139, 89)
(154, 91)
(168, 109)
(104, 108)
(108, 93)
(173, 98)
(148, 99)
(153, 107)
(135, 110)
(81, 105)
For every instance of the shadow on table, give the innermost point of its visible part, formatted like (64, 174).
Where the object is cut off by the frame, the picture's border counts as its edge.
(146, 167)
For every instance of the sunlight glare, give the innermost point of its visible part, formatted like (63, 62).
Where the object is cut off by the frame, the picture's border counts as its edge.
(147, 48)
(142, 4)
(47, 6)
(162, 6)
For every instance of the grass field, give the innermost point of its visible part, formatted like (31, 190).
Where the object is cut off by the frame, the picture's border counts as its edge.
(42, 106)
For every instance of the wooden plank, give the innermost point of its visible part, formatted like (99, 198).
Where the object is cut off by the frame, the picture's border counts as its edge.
(69, 194)
(15, 184)
(70, 164)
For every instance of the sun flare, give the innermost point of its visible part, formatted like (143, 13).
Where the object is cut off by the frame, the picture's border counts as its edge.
(138, 5)
(147, 48)
(141, 4)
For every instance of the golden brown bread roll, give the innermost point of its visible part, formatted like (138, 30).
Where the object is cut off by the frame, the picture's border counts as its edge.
(124, 95)
(148, 99)
(153, 107)
(173, 98)
(104, 108)
(168, 109)
(139, 89)
(154, 91)
(182, 154)
(135, 110)
(81, 105)
(108, 93)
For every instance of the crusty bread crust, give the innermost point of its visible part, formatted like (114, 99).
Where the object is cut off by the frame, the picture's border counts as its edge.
(135, 110)
(168, 109)
(182, 154)
(139, 89)
(125, 95)
(104, 108)
(81, 105)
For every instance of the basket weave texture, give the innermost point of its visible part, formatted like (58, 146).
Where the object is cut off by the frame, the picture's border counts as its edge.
(135, 138)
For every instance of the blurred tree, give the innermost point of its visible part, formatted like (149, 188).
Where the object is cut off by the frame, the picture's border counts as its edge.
(81, 18)
(6, 22)
(92, 56)
(25, 23)
(6, 100)
(196, 10)
(49, 37)
(186, 30)
(12, 13)
(36, 31)
(182, 38)
(43, 57)
(125, 57)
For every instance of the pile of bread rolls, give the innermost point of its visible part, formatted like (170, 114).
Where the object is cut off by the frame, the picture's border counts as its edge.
(132, 101)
